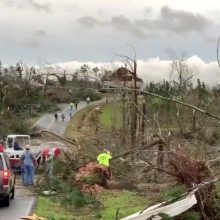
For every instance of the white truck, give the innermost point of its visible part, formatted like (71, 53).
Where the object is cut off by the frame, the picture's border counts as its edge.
(15, 154)
(22, 141)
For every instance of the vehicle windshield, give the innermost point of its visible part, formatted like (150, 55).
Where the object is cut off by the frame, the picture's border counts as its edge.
(18, 141)
(1, 163)
(22, 141)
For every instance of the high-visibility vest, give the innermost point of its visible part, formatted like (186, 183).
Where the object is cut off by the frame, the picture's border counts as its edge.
(104, 158)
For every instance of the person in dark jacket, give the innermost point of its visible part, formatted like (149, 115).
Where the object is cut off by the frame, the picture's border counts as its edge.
(56, 116)
(17, 146)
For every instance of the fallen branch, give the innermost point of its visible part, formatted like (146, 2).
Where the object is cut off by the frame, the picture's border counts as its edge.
(214, 160)
(74, 142)
(151, 144)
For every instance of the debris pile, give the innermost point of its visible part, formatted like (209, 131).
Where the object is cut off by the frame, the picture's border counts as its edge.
(33, 217)
(92, 177)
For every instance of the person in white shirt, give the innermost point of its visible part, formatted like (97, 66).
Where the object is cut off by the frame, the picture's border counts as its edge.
(88, 100)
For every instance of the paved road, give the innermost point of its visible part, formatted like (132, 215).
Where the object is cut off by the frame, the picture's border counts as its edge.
(47, 121)
(20, 206)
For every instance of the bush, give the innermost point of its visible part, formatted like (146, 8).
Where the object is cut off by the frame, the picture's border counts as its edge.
(13, 124)
(75, 198)
(91, 179)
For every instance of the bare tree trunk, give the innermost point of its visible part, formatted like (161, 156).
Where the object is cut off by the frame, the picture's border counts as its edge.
(123, 120)
(159, 160)
(46, 83)
(194, 121)
(143, 122)
(134, 108)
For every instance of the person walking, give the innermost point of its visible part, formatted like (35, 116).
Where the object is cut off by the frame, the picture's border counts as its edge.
(56, 116)
(28, 164)
(49, 163)
(70, 114)
(88, 100)
(63, 117)
(71, 106)
(76, 104)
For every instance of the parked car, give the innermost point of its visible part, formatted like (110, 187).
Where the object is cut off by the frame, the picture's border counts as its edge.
(7, 180)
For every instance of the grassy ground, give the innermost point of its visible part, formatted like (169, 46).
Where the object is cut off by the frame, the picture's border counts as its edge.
(52, 210)
(111, 116)
(76, 121)
(127, 202)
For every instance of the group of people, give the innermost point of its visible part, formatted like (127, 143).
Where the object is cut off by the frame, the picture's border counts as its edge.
(62, 117)
(56, 116)
(29, 163)
(48, 155)
(75, 103)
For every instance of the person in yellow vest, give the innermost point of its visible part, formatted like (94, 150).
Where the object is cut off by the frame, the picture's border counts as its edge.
(103, 160)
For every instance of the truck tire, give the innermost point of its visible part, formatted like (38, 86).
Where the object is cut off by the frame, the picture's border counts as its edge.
(13, 193)
(6, 201)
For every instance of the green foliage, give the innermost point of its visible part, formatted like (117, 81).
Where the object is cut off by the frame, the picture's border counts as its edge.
(174, 193)
(165, 216)
(91, 179)
(13, 124)
(75, 198)
(192, 216)
(71, 196)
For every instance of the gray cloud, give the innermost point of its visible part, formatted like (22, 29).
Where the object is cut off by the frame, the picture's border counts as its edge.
(177, 21)
(124, 24)
(40, 33)
(35, 40)
(147, 10)
(120, 23)
(88, 21)
(169, 20)
(22, 4)
(31, 42)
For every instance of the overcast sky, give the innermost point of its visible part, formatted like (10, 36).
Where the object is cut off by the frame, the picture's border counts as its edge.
(57, 31)
(94, 30)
